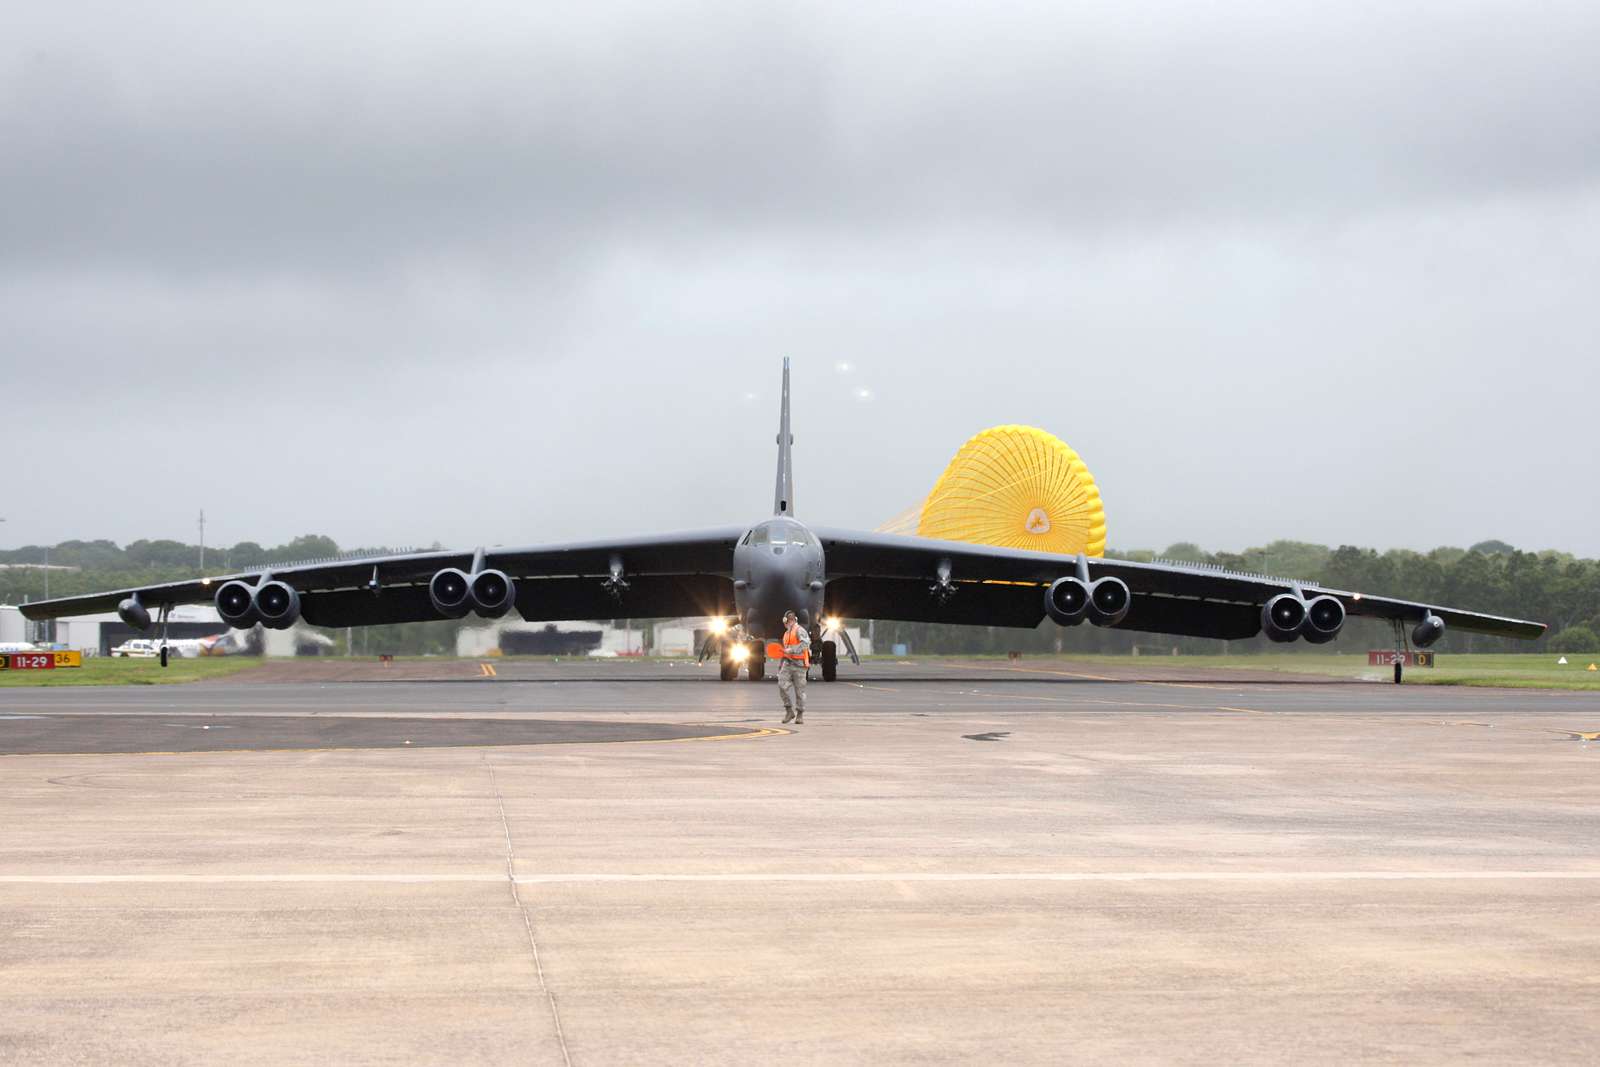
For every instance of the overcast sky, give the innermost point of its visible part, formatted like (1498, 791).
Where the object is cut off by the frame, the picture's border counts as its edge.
(506, 272)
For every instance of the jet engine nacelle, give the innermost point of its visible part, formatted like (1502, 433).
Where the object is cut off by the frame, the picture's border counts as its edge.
(277, 605)
(1282, 617)
(1429, 630)
(493, 593)
(1324, 620)
(236, 603)
(134, 614)
(1109, 601)
(454, 592)
(451, 593)
(1066, 601)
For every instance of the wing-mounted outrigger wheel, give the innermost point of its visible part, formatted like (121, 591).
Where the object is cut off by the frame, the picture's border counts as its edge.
(163, 615)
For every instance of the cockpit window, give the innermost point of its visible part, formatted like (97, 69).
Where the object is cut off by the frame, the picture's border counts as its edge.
(780, 533)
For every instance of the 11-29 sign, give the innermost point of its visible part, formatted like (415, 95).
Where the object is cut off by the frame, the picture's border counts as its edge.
(39, 661)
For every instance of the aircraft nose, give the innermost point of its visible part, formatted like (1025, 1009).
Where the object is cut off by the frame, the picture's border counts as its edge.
(774, 589)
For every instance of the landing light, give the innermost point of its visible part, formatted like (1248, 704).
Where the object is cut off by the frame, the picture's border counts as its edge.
(740, 653)
(832, 623)
(719, 626)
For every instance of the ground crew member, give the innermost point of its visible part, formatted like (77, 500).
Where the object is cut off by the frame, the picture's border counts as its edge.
(792, 671)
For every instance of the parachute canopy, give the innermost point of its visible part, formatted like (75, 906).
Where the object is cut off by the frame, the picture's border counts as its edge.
(1018, 487)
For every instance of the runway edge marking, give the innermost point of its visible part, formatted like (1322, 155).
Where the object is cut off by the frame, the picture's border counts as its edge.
(1263, 877)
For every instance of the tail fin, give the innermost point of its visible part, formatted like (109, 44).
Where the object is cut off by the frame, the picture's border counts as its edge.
(783, 495)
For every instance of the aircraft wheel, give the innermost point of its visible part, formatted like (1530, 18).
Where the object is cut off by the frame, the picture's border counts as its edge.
(729, 669)
(830, 661)
(758, 664)
(163, 655)
(1398, 670)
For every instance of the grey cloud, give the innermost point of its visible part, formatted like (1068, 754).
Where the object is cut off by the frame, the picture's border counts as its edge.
(221, 140)
(481, 265)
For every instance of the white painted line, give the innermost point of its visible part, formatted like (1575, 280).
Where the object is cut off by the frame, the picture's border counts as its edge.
(242, 879)
(843, 876)
(1076, 876)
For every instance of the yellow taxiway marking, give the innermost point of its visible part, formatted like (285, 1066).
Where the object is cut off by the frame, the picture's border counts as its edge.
(768, 731)
(765, 731)
(1585, 737)
(1264, 877)
(487, 669)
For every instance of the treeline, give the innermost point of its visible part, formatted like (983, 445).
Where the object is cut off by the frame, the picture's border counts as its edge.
(1552, 587)
(104, 565)
(1492, 576)
(171, 555)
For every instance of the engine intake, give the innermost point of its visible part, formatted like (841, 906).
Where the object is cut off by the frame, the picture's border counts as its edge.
(1324, 620)
(1282, 617)
(236, 603)
(1066, 601)
(493, 593)
(1109, 601)
(451, 593)
(277, 604)
(1428, 631)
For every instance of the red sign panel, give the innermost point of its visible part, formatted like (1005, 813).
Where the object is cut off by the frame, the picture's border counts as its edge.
(28, 661)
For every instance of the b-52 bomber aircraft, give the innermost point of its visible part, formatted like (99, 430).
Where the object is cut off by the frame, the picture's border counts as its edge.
(746, 577)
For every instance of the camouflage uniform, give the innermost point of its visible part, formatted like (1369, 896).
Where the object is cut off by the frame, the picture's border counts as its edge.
(792, 680)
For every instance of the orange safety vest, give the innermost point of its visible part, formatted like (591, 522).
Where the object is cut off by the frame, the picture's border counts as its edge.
(790, 638)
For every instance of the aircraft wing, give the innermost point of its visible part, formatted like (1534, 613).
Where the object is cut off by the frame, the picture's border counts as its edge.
(664, 575)
(888, 576)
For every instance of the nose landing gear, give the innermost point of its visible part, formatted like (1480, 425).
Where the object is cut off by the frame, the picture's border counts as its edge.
(735, 652)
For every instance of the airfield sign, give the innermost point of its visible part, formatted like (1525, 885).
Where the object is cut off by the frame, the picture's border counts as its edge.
(39, 661)
(1386, 657)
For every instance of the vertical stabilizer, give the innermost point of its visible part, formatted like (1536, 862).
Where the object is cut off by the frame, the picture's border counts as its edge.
(783, 496)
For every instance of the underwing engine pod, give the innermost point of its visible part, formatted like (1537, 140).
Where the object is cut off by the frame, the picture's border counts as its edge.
(1324, 620)
(493, 594)
(1109, 601)
(236, 603)
(132, 612)
(1066, 601)
(1282, 617)
(451, 593)
(1429, 630)
(277, 604)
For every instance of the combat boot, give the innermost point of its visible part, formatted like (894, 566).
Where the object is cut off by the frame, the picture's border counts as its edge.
(799, 718)
(788, 715)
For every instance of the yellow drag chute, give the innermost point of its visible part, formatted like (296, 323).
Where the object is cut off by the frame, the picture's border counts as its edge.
(1018, 487)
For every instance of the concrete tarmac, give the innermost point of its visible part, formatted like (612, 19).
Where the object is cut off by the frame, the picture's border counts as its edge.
(948, 862)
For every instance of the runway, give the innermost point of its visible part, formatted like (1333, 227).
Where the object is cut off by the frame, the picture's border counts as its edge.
(948, 862)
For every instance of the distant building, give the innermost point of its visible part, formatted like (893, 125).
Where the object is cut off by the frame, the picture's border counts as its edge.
(510, 637)
(13, 627)
(99, 634)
